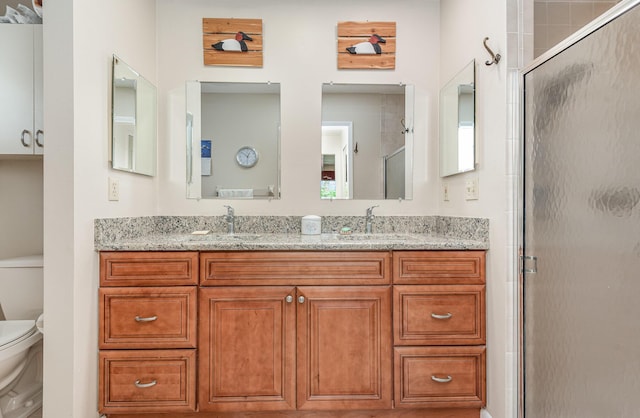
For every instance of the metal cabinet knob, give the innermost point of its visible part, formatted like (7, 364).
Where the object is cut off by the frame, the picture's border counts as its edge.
(289, 299)
(300, 299)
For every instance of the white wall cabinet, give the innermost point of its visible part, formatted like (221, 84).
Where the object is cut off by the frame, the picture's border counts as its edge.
(21, 122)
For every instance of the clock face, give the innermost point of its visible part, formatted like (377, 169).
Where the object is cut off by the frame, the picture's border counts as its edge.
(247, 157)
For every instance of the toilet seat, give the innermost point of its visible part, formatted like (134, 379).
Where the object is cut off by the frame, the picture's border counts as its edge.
(14, 331)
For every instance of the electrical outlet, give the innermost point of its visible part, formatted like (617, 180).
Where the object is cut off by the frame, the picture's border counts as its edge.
(471, 190)
(114, 189)
(445, 192)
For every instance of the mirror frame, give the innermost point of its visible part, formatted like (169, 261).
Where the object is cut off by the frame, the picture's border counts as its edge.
(450, 141)
(138, 152)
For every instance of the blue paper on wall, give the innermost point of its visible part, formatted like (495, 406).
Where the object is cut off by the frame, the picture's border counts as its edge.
(205, 154)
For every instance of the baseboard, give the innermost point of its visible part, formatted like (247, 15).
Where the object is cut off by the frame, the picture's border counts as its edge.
(485, 414)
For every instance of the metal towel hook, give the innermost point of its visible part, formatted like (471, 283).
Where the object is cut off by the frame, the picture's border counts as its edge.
(405, 129)
(495, 57)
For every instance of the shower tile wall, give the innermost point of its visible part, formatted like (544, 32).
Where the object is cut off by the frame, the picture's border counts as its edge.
(556, 20)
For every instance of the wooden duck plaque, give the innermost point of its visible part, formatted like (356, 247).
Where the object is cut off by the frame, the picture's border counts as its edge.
(367, 45)
(232, 42)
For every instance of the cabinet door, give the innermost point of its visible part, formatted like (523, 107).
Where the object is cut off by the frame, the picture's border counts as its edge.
(16, 85)
(344, 348)
(246, 349)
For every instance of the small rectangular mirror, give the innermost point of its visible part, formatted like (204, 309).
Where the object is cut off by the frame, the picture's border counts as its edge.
(233, 140)
(134, 112)
(367, 141)
(457, 123)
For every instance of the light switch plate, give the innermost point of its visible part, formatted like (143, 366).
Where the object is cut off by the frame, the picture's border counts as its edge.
(471, 189)
(114, 189)
(445, 192)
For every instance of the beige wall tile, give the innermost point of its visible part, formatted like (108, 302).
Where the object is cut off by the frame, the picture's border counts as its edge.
(559, 13)
(581, 13)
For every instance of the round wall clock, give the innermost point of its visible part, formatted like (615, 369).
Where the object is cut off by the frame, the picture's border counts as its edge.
(247, 157)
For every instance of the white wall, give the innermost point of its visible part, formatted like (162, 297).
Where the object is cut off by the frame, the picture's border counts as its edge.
(300, 53)
(300, 43)
(20, 207)
(464, 25)
(79, 40)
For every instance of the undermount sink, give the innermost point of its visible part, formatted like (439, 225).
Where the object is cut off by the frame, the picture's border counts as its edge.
(225, 237)
(373, 237)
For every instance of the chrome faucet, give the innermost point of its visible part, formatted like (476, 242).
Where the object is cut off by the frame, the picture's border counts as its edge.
(230, 218)
(370, 217)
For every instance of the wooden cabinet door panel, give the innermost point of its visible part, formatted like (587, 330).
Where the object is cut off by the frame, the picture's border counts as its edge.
(148, 317)
(247, 349)
(439, 377)
(147, 381)
(131, 268)
(344, 348)
(295, 268)
(439, 267)
(439, 315)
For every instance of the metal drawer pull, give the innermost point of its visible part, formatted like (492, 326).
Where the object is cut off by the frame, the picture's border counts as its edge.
(448, 315)
(24, 143)
(145, 385)
(442, 379)
(39, 133)
(148, 319)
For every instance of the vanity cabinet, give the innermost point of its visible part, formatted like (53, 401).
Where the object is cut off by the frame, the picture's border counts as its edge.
(285, 346)
(147, 334)
(21, 122)
(379, 333)
(439, 329)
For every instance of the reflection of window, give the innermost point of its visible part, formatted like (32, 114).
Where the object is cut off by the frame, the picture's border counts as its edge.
(327, 189)
(465, 147)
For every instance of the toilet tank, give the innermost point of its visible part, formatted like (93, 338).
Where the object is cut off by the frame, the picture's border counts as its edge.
(21, 287)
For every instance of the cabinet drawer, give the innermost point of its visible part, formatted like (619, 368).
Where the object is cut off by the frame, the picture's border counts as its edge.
(126, 268)
(147, 381)
(439, 267)
(439, 377)
(295, 268)
(439, 315)
(148, 317)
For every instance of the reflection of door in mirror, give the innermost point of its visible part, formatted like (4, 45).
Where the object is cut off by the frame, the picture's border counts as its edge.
(457, 123)
(134, 121)
(337, 138)
(379, 116)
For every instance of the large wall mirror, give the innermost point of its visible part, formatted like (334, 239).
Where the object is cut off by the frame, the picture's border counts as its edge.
(367, 141)
(457, 123)
(233, 140)
(134, 121)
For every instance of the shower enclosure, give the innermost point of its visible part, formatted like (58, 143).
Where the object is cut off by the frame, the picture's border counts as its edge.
(581, 224)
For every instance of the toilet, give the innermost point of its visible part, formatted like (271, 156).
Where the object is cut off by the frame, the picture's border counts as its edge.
(20, 341)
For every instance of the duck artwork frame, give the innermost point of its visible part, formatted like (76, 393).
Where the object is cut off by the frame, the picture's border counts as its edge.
(232, 42)
(367, 45)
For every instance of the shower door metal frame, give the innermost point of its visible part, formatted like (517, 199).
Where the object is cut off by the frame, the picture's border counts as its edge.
(521, 259)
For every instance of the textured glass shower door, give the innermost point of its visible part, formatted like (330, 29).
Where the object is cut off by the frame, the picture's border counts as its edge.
(582, 223)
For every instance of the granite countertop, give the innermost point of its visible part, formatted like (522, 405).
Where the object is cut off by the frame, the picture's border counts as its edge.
(265, 233)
